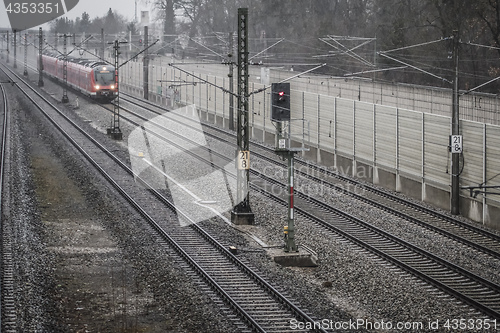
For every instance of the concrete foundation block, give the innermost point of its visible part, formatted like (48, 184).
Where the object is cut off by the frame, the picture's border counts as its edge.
(302, 258)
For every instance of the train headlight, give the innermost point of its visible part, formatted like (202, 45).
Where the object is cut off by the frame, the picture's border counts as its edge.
(112, 86)
(97, 87)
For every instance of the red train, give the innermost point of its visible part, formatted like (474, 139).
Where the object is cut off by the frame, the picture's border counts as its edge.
(93, 78)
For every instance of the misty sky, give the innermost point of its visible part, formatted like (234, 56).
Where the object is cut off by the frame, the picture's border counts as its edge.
(93, 7)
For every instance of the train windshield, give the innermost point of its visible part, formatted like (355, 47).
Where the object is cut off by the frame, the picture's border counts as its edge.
(105, 77)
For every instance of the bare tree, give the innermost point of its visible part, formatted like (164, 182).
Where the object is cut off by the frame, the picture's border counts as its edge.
(489, 12)
(166, 10)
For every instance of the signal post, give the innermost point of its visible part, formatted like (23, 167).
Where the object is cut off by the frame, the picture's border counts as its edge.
(281, 115)
(40, 60)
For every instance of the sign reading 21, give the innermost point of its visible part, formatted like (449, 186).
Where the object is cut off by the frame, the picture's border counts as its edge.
(26, 14)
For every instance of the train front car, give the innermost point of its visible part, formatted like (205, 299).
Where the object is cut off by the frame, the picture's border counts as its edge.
(104, 87)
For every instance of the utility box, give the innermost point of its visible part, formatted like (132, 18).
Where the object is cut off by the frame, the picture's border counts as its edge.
(280, 101)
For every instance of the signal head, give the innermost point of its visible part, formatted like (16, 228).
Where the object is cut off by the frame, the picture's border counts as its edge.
(280, 101)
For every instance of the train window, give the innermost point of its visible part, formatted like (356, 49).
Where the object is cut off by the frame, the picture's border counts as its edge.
(104, 77)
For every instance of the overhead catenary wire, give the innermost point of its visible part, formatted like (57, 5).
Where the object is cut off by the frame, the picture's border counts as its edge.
(349, 51)
(481, 45)
(414, 67)
(206, 47)
(376, 70)
(417, 45)
(266, 49)
(287, 79)
(420, 60)
(203, 80)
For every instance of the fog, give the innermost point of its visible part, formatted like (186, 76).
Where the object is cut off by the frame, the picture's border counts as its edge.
(94, 8)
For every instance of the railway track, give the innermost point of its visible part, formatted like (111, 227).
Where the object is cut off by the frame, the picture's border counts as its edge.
(456, 281)
(475, 237)
(8, 317)
(482, 294)
(470, 288)
(259, 306)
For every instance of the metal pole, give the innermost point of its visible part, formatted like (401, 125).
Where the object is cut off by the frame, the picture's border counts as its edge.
(242, 135)
(231, 83)
(65, 98)
(15, 49)
(285, 152)
(116, 132)
(145, 65)
(135, 15)
(242, 213)
(103, 46)
(455, 130)
(290, 245)
(84, 38)
(25, 73)
(8, 55)
(40, 62)
(116, 108)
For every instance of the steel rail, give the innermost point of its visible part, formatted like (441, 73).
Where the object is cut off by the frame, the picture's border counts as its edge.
(444, 231)
(477, 304)
(2, 163)
(136, 206)
(349, 235)
(8, 317)
(270, 289)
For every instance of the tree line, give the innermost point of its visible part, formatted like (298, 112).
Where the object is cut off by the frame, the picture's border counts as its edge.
(315, 31)
(112, 23)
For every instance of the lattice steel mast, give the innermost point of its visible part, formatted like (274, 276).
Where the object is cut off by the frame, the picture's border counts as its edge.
(242, 213)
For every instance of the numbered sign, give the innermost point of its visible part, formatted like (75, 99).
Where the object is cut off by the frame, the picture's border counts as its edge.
(244, 160)
(282, 144)
(456, 144)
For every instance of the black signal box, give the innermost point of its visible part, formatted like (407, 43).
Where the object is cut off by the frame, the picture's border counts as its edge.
(280, 101)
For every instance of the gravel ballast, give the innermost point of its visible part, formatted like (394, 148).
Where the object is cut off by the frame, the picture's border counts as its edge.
(86, 262)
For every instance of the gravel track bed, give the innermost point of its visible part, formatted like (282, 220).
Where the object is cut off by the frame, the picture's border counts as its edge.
(348, 283)
(85, 261)
(348, 280)
(470, 259)
(32, 264)
(362, 285)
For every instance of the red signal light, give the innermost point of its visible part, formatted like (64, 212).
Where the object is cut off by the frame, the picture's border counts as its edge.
(280, 101)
